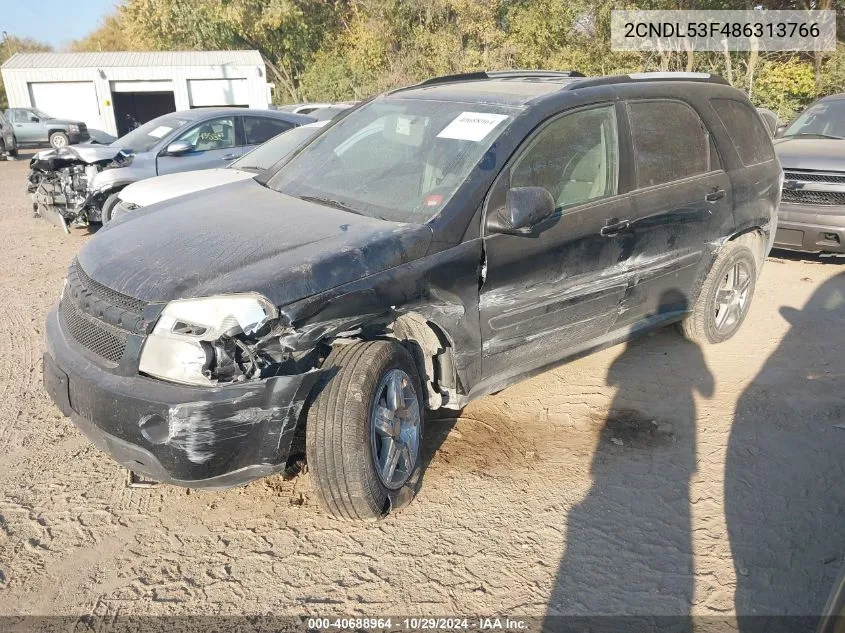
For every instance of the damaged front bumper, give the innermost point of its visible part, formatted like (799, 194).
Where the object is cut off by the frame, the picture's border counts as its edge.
(214, 437)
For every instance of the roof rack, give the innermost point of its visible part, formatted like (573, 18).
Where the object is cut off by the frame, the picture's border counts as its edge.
(652, 76)
(495, 74)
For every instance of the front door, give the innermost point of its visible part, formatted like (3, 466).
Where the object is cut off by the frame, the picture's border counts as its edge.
(214, 145)
(27, 130)
(546, 294)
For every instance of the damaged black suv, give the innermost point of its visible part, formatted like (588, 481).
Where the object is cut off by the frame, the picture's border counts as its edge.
(436, 244)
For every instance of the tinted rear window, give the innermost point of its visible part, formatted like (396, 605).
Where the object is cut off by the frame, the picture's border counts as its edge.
(670, 141)
(746, 129)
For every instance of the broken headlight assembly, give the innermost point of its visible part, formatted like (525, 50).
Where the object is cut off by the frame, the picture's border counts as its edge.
(209, 340)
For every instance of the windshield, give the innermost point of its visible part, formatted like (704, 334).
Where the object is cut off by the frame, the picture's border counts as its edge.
(825, 119)
(395, 159)
(277, 148)
(144, 138)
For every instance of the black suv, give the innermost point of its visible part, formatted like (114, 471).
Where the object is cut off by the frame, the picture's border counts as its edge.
(435, 244)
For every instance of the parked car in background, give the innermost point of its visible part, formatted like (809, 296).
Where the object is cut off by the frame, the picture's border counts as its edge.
(435, 244)
(8, 143)
(160, 188)
(812, 153)
(308, 108)
(81, 183)
(330, 112)
(34, 127)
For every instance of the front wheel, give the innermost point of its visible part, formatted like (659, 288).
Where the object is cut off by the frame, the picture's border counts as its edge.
(364, 429)
(108, 207)
(59, 140)
(725, 296)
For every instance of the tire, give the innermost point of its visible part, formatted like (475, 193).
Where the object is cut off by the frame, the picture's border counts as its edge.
(724, 298)
(108, 207)
(14, 152)
(59, 140)
(345, 447)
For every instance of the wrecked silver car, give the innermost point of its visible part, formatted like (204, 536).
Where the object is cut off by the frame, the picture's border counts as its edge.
(80, 184)
(438, 243)
(63, 182)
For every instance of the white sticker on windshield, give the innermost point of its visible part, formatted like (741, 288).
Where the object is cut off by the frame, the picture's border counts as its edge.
(403, 126)
(160, 131)
(472, 126)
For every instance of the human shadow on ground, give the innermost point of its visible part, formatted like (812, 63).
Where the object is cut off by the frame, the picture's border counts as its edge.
(628, 542)
(785, 470)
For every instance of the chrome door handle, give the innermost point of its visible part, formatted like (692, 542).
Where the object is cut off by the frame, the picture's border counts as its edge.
(230, 157)
(715, 195)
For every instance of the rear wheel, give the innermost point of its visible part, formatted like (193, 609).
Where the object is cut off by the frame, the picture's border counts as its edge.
(364, 431)
(725, 296)
(59, 140)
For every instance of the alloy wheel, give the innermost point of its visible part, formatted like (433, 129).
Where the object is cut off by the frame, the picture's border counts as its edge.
(395, 428)
(732, 297)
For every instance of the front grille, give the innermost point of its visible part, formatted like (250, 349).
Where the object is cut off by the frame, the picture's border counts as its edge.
(98, 318)
(814, 177)
(96, 336)
(106, 294)
(823, 198)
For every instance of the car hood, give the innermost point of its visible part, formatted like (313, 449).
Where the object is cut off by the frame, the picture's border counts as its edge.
(63, 122)
(153, 190)
(243, 237)
(820, 154)
(90, 154)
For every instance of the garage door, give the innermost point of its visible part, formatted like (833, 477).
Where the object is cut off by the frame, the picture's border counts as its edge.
(218, 92)
(74, 100)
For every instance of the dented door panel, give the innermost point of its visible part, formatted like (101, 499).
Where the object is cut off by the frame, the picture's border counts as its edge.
(675, 227)
(547, 293)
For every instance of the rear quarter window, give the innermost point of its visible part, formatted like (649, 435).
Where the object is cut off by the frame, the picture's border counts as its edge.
(746, 129)
(670, 141)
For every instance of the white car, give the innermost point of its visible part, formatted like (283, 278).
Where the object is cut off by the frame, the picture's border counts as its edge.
(160, 188)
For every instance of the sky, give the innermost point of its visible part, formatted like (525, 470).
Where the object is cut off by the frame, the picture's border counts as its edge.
(56, 22)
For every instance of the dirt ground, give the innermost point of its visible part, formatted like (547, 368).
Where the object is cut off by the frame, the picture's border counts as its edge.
(652, 478)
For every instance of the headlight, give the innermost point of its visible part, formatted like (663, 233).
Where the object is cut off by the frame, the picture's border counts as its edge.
(73, 129)
(193, 336)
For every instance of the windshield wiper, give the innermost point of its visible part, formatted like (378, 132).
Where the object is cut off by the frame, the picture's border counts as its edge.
(815, 135)
(329, 202)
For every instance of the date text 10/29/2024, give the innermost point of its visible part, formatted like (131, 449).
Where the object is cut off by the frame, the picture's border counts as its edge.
(419, 624)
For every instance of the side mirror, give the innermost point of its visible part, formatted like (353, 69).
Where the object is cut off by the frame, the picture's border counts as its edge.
(177, 148)
(34, 118)
(779, 130)
(525, 207)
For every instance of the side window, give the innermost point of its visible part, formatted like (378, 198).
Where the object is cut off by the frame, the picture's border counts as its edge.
(19, 116)
(211, 135)
(575, 157)
(670, 142)
(746, 129)
(259, 129)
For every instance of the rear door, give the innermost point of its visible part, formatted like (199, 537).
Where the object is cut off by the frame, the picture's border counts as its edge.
(258, 129)
(548, 293)
(215, 145)
(682, 204)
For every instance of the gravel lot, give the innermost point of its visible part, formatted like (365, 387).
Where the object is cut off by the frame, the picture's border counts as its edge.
(652, 478)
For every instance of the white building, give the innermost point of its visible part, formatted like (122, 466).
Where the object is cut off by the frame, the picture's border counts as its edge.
(114, 91)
